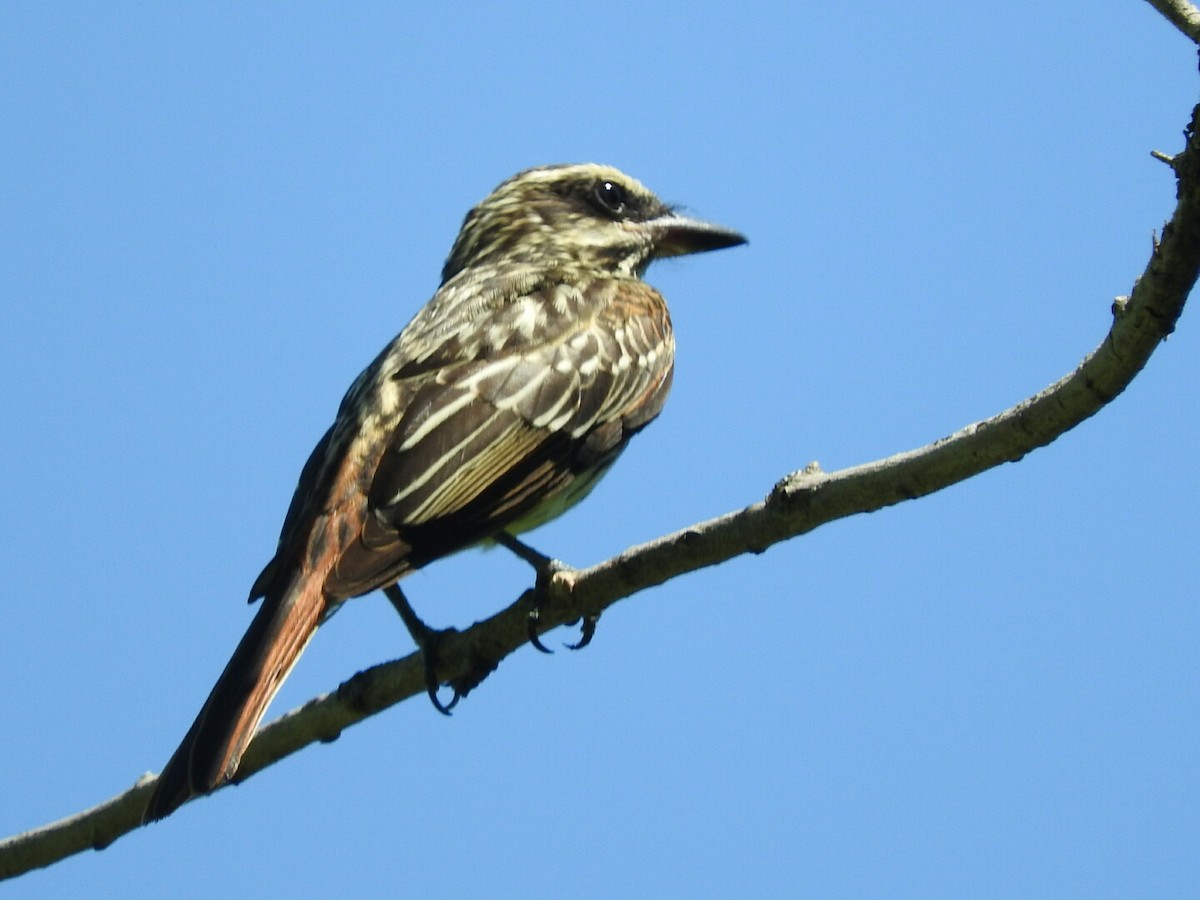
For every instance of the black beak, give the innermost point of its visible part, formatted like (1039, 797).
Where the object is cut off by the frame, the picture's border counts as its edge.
(676, 235)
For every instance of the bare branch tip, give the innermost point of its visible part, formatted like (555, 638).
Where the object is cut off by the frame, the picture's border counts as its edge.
(1166, 158)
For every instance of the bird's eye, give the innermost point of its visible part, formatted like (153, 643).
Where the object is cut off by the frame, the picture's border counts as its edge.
(611, 197)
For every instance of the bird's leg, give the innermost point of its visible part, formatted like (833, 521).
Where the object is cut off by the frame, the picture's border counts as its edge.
(427, 640)
(545, 567)
(541, 563)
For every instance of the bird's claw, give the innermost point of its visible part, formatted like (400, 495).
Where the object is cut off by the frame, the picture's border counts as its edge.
(431, 641)
(587, 631)
(531, 624)
(443, 708)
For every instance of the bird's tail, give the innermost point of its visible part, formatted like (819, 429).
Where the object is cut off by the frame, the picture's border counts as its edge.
(213, 746)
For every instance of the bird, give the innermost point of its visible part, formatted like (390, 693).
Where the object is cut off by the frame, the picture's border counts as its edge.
(498, 407)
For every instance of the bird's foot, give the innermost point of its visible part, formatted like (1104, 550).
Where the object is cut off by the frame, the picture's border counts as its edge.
(587, 631)
(429, 641)
(546, 568)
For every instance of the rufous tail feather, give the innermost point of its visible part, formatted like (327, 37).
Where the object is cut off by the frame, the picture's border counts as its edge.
(213, 747)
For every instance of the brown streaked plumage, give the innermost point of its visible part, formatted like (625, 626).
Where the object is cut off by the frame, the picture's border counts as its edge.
(499, 406)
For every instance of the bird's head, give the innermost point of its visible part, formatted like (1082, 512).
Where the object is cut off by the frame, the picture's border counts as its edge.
(582, 216)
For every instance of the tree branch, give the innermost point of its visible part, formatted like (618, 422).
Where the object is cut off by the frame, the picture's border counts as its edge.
(1182, 14)
(797, 504)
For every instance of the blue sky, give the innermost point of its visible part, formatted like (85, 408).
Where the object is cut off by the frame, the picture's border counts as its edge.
(214, 217)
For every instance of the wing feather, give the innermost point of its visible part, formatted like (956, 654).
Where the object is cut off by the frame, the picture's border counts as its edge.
(501, 416)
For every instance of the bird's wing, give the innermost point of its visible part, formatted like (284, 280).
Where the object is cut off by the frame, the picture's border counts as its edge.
(561, 380)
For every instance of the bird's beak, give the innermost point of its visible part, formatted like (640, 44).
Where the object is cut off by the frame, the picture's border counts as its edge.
(676, 235)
